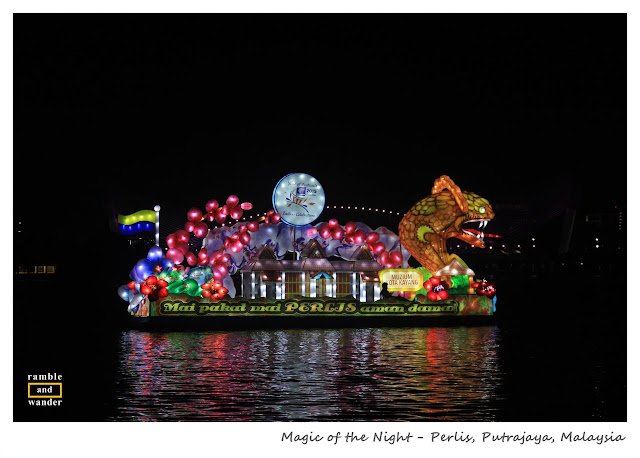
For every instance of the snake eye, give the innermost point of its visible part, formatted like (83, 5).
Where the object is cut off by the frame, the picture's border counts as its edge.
(481, 209)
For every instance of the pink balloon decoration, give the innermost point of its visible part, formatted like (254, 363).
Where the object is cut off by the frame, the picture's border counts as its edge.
(172, 239)
(194, 214)
(183, 236)
(373, 237)
(202, 254)
(246, 205)
(224, 257)
(333, 223)
(236, 213)
(211, 205)
(337, 233)
(224, 210)
(350, 227)
(216, 274)
(175, 255)
(203, 262)
(311, 232)
(252, 226)
(210, 217)
(232, 201)
(188, 226)
(201, 229)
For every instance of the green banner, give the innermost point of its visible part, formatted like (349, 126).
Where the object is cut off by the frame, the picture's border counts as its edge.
(184, 305)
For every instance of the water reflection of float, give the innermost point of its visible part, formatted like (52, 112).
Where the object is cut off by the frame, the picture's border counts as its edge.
(284, 266)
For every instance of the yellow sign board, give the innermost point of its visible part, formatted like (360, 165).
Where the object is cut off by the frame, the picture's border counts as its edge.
(401, 279)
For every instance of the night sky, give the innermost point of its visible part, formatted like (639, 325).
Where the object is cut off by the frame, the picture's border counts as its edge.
(116, 113)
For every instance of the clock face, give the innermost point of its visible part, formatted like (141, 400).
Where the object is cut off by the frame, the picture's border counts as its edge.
(299, 199)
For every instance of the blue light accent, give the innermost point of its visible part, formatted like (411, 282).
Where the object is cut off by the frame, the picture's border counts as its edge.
(136, 228)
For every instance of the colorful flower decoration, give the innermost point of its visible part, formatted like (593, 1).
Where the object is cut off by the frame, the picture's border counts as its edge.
(214, 289)
(154, 288)
(484, 288)
(437, 290)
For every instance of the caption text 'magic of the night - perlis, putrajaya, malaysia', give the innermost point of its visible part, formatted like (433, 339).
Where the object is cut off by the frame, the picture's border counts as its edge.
(336, 270)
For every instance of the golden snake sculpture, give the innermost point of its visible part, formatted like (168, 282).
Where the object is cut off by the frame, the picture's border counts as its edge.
(425, 228)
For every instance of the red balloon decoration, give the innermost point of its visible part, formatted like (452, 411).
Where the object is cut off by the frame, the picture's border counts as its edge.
(333, 223)
(211, 205)
(219, 215)
(253, 226)
(172, 239)
(183, 236)
(337, 233)
(377, 247)
(194, 215)
(350, 227)
(232, 201)
(275, 218)
(246, 205)
(201, 229)
(175, 255)
(188, 226)
(191, 258)
(359, 236)
(245, 238)
(372, 237)
(324, 231)
(236, 213)
(396, 258)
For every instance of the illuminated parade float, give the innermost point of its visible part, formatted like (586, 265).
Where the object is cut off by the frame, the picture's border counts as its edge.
(286, 264)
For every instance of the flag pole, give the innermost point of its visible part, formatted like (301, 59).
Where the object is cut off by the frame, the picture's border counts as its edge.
(157, 209)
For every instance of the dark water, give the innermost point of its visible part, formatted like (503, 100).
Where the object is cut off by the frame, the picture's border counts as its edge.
(554, 359)
(335, 374)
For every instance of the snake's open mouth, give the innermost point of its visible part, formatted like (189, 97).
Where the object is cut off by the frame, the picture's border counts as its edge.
(478, 233)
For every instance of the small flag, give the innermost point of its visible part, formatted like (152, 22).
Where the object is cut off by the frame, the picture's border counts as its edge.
(141, 221)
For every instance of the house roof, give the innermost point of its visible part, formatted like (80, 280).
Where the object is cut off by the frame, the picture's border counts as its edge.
(311, 265)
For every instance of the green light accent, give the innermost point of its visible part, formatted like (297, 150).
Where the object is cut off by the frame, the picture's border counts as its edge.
(481, 209)
(142, 215)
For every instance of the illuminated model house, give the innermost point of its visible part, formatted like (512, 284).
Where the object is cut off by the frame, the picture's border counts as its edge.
(311, 276)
